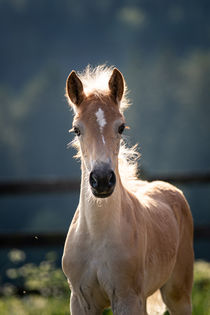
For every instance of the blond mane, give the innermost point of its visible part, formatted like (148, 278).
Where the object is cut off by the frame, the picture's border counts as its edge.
(95, 81)
(128, 164)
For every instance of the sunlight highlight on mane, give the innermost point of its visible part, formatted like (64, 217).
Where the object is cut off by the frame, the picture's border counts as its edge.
(95, 81)
(128, 164)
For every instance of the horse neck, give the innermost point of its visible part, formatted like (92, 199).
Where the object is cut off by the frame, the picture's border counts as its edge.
(99, 214)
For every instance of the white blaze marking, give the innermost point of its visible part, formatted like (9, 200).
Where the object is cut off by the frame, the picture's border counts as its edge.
(103, 139)
(101, 121)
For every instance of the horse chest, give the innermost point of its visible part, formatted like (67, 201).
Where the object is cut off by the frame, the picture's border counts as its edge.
(83, 262)
(97, 267)
(88, 273)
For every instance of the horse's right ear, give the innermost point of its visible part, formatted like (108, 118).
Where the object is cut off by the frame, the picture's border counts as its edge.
(74, 89)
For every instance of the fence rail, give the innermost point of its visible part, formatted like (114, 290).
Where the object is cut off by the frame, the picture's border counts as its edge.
(58, 185)
(40, 186)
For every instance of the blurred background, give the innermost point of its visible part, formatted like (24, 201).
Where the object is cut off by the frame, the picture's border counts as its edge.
(163, 50)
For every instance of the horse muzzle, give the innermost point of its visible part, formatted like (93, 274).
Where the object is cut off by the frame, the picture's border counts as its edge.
(102, 180)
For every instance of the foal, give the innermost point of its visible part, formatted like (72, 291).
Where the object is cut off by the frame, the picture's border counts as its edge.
(128, 238)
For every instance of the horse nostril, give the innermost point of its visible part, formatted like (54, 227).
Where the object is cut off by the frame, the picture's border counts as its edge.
(93, 180)
(111, 179)
(102, 181)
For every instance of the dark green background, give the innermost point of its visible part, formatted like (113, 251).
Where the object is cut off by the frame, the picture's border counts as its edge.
(163, 50)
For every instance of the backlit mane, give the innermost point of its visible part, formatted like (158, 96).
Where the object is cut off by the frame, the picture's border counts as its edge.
(128, 164)
(95, 81)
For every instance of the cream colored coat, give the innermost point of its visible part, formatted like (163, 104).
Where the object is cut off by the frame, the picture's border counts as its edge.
(121, 249)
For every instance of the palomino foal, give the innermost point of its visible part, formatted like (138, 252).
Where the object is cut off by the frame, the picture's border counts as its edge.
(128, 238)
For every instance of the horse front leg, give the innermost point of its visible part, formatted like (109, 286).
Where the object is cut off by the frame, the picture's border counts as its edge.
(130, 304)
(76, 306)
(79, 307)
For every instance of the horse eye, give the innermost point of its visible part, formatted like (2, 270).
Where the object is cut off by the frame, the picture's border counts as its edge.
(121, 129)
(77, 131)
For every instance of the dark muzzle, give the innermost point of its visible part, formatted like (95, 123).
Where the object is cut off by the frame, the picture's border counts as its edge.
(102, 180)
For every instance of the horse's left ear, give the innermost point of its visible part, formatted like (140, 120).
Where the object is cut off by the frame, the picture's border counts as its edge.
(116, 85)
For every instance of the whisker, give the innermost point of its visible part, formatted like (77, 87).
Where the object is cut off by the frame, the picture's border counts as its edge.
(71, 143)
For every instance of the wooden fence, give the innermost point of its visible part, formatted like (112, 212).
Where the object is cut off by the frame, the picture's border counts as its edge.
(57, 185)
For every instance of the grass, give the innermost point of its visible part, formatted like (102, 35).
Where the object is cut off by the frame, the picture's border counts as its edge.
(201, 289)
(53, 292)
(33, 305)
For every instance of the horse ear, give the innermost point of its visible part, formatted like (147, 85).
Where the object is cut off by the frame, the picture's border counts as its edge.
(116, 85)
(74, 89)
